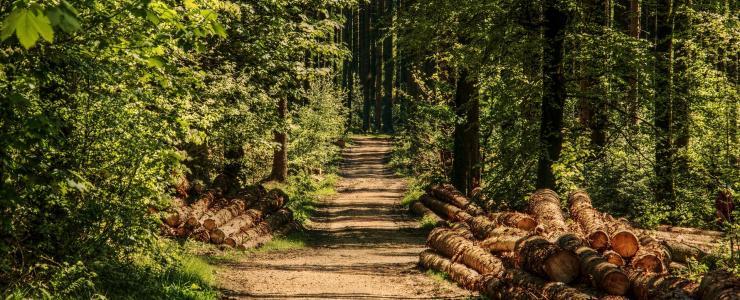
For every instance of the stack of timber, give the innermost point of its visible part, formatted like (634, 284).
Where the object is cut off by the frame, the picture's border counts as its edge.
(541, 254)
(246, 220)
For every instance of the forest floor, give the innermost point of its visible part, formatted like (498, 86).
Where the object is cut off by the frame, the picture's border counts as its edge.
(360, 244)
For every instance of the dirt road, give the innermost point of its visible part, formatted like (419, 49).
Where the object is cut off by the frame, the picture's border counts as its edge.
(360, 245)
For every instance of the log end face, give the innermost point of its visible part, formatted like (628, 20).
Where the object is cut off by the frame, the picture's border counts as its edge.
(231, 242)
(562, 266)
(625, 243)
(648, 263)
(616, 283)
(209, 224)
(598, 240)
(528, 224)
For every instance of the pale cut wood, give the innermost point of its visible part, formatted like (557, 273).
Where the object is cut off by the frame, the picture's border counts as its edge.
(604, 275)
(589, 218)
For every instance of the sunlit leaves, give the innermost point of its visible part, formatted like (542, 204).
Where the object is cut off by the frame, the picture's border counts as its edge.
(28, 25)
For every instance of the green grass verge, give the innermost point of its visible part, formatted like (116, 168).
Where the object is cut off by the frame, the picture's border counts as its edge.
(437, 275)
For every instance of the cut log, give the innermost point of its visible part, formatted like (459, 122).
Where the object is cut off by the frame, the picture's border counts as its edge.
(463, 230)
(459, 273)
(201, 234)
(179, 213)
(514, 219)
(582, 211)
(541, 257)
(544, 205)
(533, 286)
(239, 224)
(449, 194)
(720, 285)
(450, 244)
(648, 286)
(198, 209)
(274, 199)
(613, 257)
(268, 226)
(481, 226)
(445, 210)
(687, 230)
(503, 239)
(622, 237)
(682, 252)
(653, 256)
(222, 216)
(419, 209)
(604, 275)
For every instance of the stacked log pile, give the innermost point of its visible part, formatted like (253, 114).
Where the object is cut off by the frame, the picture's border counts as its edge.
(245, 221)
(541, 254)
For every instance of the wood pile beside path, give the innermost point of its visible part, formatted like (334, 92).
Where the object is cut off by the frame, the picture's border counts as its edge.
(244, 221)
(541, 254)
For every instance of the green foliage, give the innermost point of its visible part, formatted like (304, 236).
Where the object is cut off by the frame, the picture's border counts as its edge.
(414, 190)
(108, 109)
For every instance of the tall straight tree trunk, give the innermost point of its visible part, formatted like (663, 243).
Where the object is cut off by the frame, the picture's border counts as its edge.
(553, 96)
(389, 69)
(664, 153)
(633, 100)
(364, 51)
(378, 63)
(280, 155)
(593, 106)
(681, 109)
(353, 45)
(466, 149)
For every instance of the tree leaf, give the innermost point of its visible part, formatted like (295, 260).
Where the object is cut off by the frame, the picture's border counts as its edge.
(42, 25)
(10, 23)
(25, 31)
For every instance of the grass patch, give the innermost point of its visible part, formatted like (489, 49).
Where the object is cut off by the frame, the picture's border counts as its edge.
(428, 222)
(437, 275)
(292, 241)
(414, 191)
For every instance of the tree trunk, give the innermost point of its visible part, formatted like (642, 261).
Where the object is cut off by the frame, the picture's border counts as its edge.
(389, 69)
(589, 218)
(421, 210)
(554, 93)
(664, 153)
(466, 161)
(604, 275)
(365, 45)
(377, 62)
(502, 239)
(446, 211)
(280, 157)
(514, 219)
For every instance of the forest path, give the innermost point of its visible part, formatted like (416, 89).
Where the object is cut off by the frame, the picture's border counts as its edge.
(360, 244)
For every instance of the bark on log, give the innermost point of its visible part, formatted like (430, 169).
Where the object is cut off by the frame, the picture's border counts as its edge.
(539, 256)
(463, 230)
(179, 212)
(481, 226)
(622, 237)
(720, 285)
(418, 209)
(198, 209)
(682, 252)
(544, 205)
(604, 275)
(582, 211)
(613, 257)
(514, 219)
(219, 217)
(449, 194)
(533, 287)
(459, 273)
(445, 210)
(648, 286)
(268, 226)
(458, 248)
(201, 234)
(503, 239)
(653, 256)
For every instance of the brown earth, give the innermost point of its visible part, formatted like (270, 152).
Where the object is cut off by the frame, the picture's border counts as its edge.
(360, 244)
